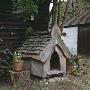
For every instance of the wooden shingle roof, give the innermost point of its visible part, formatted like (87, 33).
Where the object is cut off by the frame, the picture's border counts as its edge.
(40, 45)
(35, 43)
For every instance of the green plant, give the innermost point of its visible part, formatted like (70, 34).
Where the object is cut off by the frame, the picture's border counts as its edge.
(6, 59)
(72, 13)
(76, 72)
(69, 61)
(26, 8)
(17, 57)
(76, 68)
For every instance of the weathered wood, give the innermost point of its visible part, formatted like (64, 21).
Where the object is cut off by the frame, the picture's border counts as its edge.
(11, 38)
(39, 51)
(21, 78)
(54, 72)
(55, 11)
(83, 39)
(59, 9)
(65, 14)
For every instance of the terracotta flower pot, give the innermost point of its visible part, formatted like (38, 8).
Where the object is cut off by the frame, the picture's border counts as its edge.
(17, 66)
(69, 68)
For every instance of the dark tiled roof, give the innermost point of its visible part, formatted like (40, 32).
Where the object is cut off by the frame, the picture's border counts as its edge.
(35, 43)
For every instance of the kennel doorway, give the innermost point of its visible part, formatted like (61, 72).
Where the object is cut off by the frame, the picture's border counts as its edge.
(55, 61)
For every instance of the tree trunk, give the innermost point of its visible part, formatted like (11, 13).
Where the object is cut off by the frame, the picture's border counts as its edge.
(64, 17)
(59, 7)
(55, 11)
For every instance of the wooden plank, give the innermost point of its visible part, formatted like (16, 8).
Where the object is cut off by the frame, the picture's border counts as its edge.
(54, 72)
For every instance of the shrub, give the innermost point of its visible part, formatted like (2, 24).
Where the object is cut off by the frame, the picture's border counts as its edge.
(6, 58)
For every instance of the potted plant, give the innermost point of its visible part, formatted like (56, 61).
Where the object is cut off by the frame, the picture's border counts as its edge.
(69, 65)
(17, 61)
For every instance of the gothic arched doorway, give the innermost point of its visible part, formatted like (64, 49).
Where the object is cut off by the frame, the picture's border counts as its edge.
(55, 61)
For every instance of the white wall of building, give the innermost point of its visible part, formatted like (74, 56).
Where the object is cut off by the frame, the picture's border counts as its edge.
(71, 38)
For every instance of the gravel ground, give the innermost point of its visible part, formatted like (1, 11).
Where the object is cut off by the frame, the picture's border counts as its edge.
(70, 82)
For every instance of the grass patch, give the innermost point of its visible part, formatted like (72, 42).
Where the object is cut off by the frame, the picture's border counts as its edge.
(86, 56)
